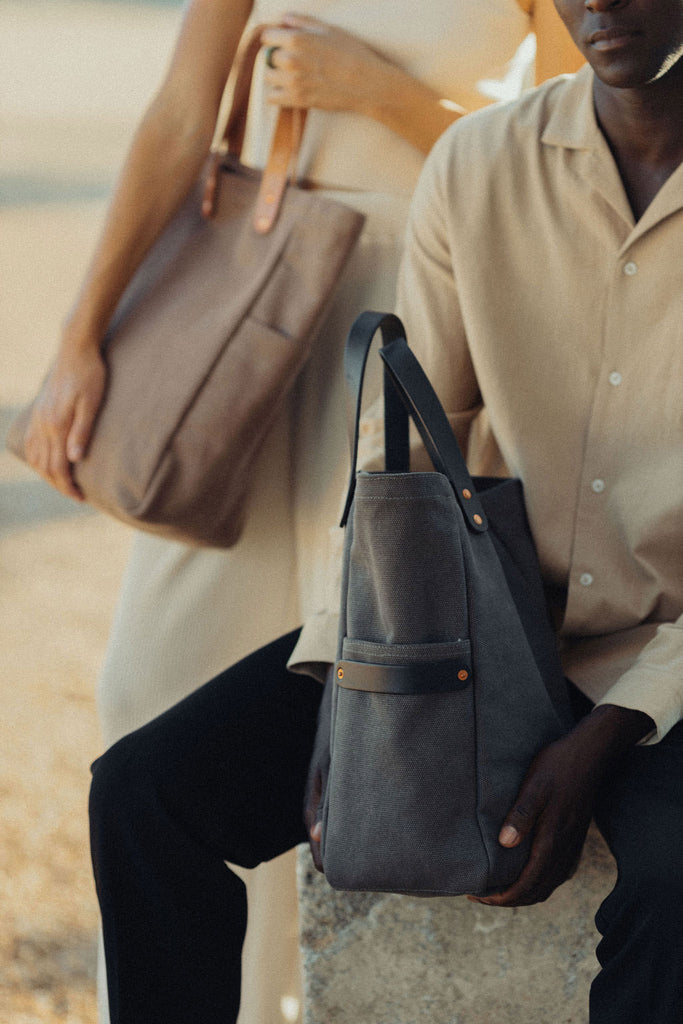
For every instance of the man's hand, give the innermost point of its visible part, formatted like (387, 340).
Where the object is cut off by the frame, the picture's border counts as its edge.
(318, 772)
(556, 801)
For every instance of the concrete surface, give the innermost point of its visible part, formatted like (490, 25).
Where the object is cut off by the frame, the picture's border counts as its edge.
(375, 959)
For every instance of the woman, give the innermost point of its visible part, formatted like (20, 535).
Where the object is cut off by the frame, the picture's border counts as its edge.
(382, 85)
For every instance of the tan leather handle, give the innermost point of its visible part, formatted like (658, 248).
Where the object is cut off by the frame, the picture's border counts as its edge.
(281, 167)
(284, 150)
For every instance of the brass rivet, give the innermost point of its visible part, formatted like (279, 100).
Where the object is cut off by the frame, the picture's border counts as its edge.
(467, 493)
(463, 674)
(340, 673)
(478, 520)
(270, 198)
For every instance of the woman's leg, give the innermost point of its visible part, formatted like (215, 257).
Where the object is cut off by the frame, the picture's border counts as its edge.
(218, 777)
(641, 921)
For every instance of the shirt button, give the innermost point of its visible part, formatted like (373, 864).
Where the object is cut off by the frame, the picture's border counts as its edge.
(585, 579)
(598, 486)
(615, 378)
(630, 269)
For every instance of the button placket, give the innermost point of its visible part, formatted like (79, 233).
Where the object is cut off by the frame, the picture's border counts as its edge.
(592, 527)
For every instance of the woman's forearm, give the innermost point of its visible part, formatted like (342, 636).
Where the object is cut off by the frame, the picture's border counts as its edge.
(419, 114)
(410, 108)
(164, 161)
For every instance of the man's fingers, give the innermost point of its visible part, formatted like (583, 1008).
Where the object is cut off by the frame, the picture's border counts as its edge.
(314, 837)
(529, 888)
(522, 819)
(311, 819)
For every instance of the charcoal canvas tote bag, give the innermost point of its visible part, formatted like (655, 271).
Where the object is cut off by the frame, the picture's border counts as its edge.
(447, 681)
(210, 336)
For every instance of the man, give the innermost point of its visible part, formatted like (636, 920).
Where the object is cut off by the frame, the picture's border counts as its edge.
(540, 281)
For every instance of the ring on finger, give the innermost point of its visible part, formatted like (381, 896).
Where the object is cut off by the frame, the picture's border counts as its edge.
(270, 50)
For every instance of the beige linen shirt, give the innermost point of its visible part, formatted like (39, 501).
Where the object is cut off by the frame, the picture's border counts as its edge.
(528, 289)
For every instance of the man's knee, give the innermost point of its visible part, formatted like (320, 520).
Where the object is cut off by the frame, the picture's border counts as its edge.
(116, 792)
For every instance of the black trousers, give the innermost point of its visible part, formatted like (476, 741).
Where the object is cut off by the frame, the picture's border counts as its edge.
(221, 776)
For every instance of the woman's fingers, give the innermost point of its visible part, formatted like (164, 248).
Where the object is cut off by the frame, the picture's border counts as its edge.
(63, 417)
(86, 410)
(310, 64)
(305, 22)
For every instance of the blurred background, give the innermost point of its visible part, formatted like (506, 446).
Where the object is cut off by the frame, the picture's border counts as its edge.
(74, 78)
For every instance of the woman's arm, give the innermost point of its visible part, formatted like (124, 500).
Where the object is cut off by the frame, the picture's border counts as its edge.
(314, 64)
(165, 158)
(318, 65)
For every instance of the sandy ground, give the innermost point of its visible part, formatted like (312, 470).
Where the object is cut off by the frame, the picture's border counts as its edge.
(73, 78)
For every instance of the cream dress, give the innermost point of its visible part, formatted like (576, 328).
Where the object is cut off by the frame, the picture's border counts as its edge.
(186, 614)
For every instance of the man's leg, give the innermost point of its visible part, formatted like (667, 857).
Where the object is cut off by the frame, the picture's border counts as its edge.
(218, 777)
(641, 921)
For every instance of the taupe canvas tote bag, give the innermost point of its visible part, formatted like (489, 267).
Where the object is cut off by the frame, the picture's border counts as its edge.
(447, 681)
(209, 338)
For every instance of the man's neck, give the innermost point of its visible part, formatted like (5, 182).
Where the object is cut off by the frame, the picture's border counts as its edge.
(644, 130)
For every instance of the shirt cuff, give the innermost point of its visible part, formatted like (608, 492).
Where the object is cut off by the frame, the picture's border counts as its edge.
(316, 647)
(640, 689)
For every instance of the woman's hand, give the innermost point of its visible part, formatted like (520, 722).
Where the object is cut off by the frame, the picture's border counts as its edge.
(316, 65)
(63, 416)
(313, 64)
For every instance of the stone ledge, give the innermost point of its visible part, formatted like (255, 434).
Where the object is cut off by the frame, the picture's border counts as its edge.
(369, 958)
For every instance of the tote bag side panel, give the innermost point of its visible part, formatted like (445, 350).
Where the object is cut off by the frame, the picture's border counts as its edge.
(515, 717)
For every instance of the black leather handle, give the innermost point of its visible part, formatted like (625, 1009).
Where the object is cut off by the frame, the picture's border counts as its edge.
(356, 353)
(429, 417)
(407, 392)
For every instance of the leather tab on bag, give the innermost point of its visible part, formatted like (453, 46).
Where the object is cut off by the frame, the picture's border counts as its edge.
(420, 677)
(281, 166)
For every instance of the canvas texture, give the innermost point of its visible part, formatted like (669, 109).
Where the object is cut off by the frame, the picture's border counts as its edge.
(447, 682)
(209, 338)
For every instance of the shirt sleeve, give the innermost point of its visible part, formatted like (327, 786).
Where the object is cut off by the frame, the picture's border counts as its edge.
(654, 683)
(427, 299)
(427, 302)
